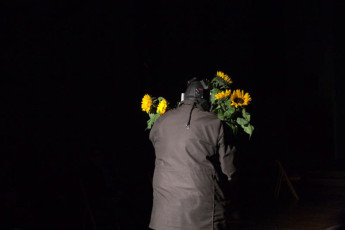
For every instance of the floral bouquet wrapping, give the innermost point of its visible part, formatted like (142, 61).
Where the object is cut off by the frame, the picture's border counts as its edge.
(229, 104)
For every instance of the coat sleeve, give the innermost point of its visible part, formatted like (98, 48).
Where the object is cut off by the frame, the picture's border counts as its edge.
(226, 154)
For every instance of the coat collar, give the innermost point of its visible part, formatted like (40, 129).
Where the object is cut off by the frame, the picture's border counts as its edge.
(191, 101)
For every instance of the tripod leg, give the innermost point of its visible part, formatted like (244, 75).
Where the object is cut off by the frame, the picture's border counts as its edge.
(288, 181)
(292, 188)
(277, 189)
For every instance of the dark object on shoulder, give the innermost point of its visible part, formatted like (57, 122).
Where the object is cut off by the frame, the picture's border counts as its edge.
(197, 89)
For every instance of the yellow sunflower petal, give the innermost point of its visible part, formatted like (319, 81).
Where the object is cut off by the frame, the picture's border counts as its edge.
(224, 76)
(222, 94)
(239, 98)
(146, 103)
(162, 106)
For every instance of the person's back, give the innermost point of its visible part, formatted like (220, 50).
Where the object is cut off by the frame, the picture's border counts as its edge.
(191, 159)
(181, 148)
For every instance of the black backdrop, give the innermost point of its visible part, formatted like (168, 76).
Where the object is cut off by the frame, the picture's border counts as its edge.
(74, 74)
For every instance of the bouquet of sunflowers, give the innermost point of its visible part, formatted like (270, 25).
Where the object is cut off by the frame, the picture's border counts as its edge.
(229, 105)
(154, 107)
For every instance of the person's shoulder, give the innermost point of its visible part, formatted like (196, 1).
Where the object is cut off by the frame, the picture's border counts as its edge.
(208, 118)
(167, 114)
(209, 115)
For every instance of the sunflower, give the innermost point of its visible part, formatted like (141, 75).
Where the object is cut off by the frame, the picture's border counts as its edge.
(223, 94)
(162, 106)
(146, 103)
(224, 77)
(238, 98)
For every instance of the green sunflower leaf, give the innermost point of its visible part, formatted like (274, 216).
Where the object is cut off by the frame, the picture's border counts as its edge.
(228, 114)
(245, 115)
(219, 82)
(220, 115)
(229, 107)
(152, 120)
(228, 103)
(241, 121)
(214, 92)
(248, 129)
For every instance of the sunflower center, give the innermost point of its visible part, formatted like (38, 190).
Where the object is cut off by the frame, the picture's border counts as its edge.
(239, 100)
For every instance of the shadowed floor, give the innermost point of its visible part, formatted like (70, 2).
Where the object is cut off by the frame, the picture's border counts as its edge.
(320, 207)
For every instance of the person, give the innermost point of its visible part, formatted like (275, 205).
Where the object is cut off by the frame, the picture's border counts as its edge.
(193, 166)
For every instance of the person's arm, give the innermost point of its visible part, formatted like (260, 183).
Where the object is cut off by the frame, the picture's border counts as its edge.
(226, 154)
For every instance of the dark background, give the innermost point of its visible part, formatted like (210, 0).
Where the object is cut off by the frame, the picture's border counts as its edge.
(74, 73)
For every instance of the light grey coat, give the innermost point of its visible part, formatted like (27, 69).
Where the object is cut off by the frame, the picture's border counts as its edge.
(190, 167)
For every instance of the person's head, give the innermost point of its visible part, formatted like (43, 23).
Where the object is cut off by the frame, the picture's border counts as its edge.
(198, 90)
